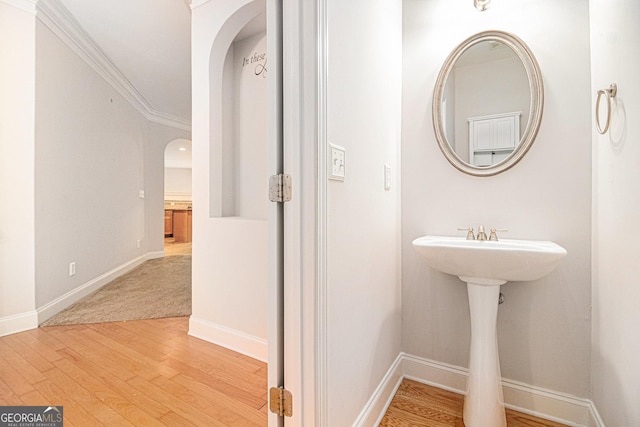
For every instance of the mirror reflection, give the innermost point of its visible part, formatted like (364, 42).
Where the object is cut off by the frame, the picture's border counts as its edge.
(486, 104)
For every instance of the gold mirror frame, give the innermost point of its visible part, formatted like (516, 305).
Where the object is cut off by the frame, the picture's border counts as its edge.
(536, 92)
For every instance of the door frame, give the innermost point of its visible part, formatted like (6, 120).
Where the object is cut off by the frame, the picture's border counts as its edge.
(304, 76)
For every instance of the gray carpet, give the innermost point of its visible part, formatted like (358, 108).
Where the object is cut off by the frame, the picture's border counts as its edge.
(157, 288)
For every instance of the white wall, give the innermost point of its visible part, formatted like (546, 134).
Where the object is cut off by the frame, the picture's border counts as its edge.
(177, 184)
(615, 43)
(363, 264)
(250, 135)
(94, 153)
(544, 326)
(89, 170)
(229, 273)
(17, 218)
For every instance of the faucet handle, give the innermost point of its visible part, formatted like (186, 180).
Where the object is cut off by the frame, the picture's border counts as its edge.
(469, 231)
(493, 235)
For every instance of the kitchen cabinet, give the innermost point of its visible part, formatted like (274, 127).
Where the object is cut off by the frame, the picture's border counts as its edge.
(182, 226)
(168, 223)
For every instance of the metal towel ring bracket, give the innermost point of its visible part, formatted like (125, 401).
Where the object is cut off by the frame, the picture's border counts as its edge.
(609, 93)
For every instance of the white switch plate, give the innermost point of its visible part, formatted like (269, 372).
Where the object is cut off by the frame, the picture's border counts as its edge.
(387, 177)
(336, 162)
(72, 269)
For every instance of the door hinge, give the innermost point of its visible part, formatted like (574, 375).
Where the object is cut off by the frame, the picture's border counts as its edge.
(281, 401)
(280, 188)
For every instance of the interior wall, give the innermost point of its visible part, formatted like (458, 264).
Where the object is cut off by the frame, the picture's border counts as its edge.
(543, 326)
(363, 265)
(17, 216)
(229, 299)
(615, 39)
(177, 183)
(89, 169)
(250, 126)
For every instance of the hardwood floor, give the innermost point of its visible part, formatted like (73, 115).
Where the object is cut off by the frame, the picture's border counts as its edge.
(135, 373)
(417, 404)
(173, 248)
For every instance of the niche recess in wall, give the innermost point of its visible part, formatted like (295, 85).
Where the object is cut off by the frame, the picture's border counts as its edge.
(243, 149)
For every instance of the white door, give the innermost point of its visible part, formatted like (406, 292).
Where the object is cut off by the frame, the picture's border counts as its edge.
(276, 209)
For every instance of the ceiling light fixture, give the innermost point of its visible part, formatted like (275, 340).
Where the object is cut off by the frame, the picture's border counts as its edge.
(481, 5)
(182, 149)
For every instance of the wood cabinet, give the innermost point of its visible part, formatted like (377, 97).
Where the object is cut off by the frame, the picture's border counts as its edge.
(182, 226)
(168, 223)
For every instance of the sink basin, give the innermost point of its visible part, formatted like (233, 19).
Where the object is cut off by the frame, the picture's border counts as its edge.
(485, 265)
(489, 262)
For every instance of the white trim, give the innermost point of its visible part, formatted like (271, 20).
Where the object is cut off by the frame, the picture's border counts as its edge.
(28, 6)
(57, 305)
(232, 339)
(18, 323)
(59, 20)
(542, 403)
(373, 411)
(322, 347)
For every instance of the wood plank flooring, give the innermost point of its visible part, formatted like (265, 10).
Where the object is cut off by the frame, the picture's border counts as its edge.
(172, 248)
(151, 373)
(417, 404)
(135, 373)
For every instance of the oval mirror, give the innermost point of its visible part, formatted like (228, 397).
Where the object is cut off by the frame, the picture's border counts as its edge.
(487, 103)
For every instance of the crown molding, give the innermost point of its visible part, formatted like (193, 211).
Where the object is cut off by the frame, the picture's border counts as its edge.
(58, 19)
(24, 5)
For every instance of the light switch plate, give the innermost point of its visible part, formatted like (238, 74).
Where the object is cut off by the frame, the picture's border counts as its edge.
(387, 177)
(336, 162)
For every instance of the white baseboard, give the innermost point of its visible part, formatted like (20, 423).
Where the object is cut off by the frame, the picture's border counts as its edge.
(232, 339)
(377, 405)
(542, 403)
(18, 323)
(57, 305)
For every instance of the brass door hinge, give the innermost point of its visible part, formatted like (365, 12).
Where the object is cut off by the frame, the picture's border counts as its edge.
(281, 401)
(280, 188)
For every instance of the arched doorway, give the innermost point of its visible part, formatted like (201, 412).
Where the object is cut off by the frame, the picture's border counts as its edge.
(178, 198)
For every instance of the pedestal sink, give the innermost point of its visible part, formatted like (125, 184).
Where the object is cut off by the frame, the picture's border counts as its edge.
(485, 265)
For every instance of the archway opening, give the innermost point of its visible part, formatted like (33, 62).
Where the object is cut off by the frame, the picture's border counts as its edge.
(178, 198)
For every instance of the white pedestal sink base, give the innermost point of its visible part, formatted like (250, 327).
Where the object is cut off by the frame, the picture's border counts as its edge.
(484, 402)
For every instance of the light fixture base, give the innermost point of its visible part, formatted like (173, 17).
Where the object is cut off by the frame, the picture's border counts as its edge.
(481, 5)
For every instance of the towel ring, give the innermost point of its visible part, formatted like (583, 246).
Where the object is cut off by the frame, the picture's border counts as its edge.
(609, 93)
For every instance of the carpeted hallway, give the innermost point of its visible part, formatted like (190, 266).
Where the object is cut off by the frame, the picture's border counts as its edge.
(157, 288)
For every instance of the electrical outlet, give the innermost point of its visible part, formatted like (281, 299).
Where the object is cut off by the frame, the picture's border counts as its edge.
(141, 194)
(72, 269)
(337, 162)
